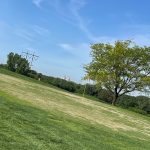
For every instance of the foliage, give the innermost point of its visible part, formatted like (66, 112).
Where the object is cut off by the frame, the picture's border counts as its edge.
(127, 101)
(120, 68)
(17, 64)
(143, 103)
(3, 66)
(140, 104)
(61, 83)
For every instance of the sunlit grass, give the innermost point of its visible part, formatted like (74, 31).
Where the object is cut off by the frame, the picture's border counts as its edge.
(35, 116)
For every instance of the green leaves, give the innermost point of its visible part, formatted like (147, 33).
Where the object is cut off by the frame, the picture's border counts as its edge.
(17, 64)
(124, 65)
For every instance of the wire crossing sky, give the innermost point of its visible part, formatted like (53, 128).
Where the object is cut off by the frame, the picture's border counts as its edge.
(61, 31)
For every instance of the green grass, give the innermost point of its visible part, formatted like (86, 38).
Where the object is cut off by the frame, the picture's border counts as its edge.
(13, 74)
(26, 127)
(38, 117)
(7, 72)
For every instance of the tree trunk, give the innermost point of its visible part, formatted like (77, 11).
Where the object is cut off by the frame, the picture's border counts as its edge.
(115, 97)
(114, 100)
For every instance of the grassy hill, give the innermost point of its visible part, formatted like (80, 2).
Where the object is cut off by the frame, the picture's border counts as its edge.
(35, 116)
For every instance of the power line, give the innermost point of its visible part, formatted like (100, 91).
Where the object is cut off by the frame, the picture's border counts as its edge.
(26, 54)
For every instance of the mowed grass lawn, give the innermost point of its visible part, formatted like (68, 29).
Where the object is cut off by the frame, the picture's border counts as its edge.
(34, 116)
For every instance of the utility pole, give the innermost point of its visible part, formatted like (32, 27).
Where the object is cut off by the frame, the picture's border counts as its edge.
(30, 57)
(33, 57)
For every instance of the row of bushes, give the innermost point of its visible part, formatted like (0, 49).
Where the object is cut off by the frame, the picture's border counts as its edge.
(140, 104)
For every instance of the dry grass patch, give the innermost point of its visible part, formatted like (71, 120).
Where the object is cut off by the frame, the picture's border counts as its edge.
(76, 106)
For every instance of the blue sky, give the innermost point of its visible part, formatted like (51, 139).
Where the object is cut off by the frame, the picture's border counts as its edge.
(61, 31)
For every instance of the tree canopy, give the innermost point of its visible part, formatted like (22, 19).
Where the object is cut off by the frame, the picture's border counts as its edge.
(17, 64)
(120, 68)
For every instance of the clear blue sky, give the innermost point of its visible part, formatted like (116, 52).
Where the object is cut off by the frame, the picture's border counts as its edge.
(60, 31)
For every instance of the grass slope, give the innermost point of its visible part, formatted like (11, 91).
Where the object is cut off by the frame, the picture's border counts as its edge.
(37, 117)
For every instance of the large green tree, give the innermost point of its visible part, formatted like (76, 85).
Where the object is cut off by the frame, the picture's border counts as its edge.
(17, 64)
(119, 68)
